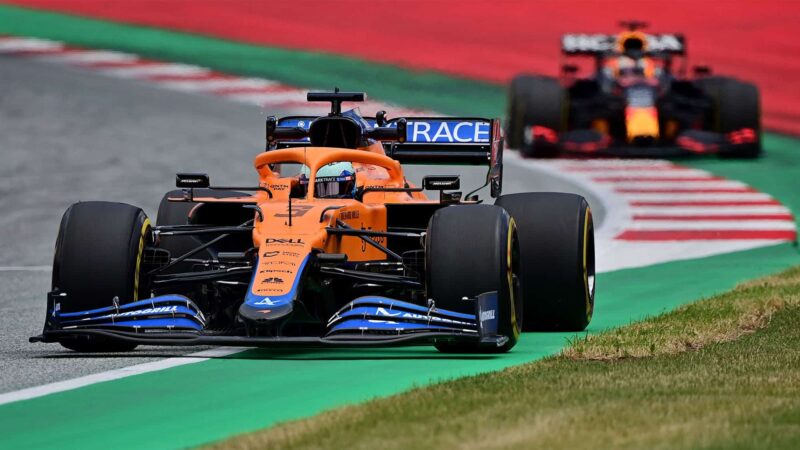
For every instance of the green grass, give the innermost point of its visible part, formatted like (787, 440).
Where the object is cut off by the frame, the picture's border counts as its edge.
(720, 373)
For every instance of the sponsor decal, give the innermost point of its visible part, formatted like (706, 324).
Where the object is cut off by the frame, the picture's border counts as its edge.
(487, 315)
(272, 280)
(409, 315)
(140, 312)
(448, 131)
(266, 301)
(282, 263)
(271, 254)
(348, 215)
(447, 183)
(275, 271)
(377, 239)
(278, 187)
(605, 43)
(291, 254)
(285, 241)
(297, 211)
(384, 312)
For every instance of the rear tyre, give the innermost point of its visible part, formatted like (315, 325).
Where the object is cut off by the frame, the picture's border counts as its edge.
(556, 240)
(534, 100)
(98, 256)
(736, 105)
(492, 264)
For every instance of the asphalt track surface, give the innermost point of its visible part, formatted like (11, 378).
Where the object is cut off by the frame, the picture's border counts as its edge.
(67, 135)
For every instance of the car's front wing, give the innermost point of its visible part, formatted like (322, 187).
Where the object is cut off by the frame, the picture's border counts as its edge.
(365, 322)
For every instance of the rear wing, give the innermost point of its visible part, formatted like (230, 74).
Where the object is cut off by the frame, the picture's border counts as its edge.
(603, 44)
(428, 140)
(456, 140)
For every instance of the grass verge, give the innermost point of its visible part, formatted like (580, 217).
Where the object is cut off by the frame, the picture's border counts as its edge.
(636, 387)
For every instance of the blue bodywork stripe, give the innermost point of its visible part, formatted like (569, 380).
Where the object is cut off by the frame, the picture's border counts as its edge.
(380, 325)
(149, 302)
(164, 323)
(158, 310)
(397, 314)
(399, 303)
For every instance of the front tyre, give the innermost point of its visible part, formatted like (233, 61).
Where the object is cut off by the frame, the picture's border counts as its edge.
(535, 100)
(736, 105)
(556, 239)
(98, 256)
(470, 250)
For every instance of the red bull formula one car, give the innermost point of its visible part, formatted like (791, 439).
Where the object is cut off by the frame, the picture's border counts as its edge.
(636, 102)
(334, 247)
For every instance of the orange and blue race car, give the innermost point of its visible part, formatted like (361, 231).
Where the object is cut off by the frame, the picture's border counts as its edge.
(638, 101)
(332, 246)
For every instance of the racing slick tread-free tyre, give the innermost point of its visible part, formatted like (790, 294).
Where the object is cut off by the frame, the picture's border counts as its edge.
(98, 256)
(556, 240)
(470, 250)
(736, 105)
(534, 100)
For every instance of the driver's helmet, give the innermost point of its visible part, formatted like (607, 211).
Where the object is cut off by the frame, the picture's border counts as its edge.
(336, 180)
(633, 44)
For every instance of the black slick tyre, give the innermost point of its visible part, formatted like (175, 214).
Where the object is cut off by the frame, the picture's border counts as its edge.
(736, 105)
(534, 100)
(98, 257)
(471, 250)
(556, 240)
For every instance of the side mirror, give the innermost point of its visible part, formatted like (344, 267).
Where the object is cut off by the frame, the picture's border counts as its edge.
(192, 180)
(275, 133)
(380, 118)
(441, 182)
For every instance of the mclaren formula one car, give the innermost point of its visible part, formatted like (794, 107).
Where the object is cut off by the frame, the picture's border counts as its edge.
(635, 103)
(331, 247)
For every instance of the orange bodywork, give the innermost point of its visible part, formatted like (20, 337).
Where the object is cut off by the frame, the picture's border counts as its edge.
(283, 245)
(641, 122)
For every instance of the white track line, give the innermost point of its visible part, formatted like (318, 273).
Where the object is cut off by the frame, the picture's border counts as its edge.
(8, 45)
(149, 70)
(61, 386)
(268, 98)
(216, 84)
(567, 163)
(696, 196)
(26, 268)
(719, 184)
(707, 210)
(88, 57)
(659, 173)
(712, 225)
